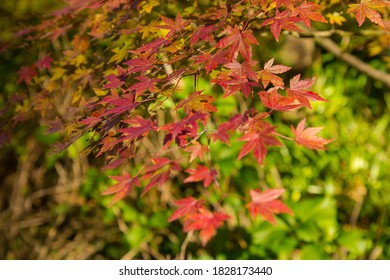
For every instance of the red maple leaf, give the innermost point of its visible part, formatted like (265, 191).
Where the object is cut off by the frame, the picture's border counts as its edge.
(122, 188)
(114, 163)
(282, 20)
(238, 42)
(275, 101)
(115, 81)
(141, 64)
(152, 46)
(26, 73)
(268, 74)
(157, 163)
(187, 206)
(258, 140)
(234, 83)
(156, 179)
(220, 12)
(197, 150)
(145, 83)
(139, 128)
(298, 89)
(207, 222)
(201, 173)
(107, 144)
(367, 8)
(266, 204)
(203, 33)
(289, 4)
(44, 62)
(308, 11)
(159, 172)
(174, 77)
(243, 70)
(179, 131)
(308, 138)
(232, 125)
(211, 61)
(173, 26)
(121, 104)
(197, 102)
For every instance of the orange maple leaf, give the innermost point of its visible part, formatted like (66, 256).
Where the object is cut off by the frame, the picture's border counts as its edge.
(367, 8)
(238, 42)
(308, 138)
(206, 222)
(266, 204)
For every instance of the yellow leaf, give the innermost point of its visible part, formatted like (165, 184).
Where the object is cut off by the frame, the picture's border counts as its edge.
(148, 6)
(120, 54)
(100, 92)
(150, 29)
(79, 60)
(336, 18)
(76, 96)
(57, 72)
(177, 45)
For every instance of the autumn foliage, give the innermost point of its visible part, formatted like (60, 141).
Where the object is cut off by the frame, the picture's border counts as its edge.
(115, 71)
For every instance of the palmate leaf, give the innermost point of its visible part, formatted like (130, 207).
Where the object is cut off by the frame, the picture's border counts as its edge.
(206, 222)
(158, 172)
(289, 4)
(115, 81)
(187, 206)
(173, 26)
(308, 11)
(368, 9)
(282, 20)
(178, 131)
(142, 63)
(308, 138)
(44, 63)
(197, 150)
(122, 188)
(266, 204)
(145, 83)
(201, 173)
(197, 103)
(299, 90)
(139, 127)
(203, 33)
(275, 101)
(211, 61)
(267, 75)
(257, 141)
(26, 73)
(121, 104)
(243, 70)
(238, 42)
(230, 126)
(151, 47)
(233, 83)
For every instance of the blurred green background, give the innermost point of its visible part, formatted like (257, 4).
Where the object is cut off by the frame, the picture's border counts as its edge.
(51, 206)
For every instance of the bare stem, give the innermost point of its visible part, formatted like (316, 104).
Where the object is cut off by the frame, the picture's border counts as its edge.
(185, 244)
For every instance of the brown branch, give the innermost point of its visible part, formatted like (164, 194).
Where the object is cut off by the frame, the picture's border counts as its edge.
(185, 244)
(352, 60)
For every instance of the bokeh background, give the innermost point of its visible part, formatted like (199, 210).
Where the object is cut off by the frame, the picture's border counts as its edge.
(51, 206)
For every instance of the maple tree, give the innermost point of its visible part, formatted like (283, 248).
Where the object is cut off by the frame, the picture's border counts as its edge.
(115, 72)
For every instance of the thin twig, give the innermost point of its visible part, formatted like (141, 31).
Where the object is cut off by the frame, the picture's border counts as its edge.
(185, 244)
(352, 60)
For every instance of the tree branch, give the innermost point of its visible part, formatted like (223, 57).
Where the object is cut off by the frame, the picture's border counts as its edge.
(352, 60)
